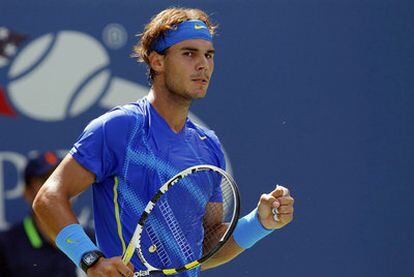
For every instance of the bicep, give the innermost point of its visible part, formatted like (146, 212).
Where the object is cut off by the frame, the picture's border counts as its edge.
(69, 179)
(52, 203)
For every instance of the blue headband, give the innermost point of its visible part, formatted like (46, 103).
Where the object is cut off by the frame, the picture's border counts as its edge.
(191, 29)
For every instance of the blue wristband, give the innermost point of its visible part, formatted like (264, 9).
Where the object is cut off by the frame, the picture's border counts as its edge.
(249, 230)
(74, 242)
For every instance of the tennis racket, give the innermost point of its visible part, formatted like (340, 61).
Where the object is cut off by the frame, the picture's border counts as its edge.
(207, 198)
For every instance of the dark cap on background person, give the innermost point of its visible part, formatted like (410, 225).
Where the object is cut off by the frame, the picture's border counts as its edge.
(41, 165)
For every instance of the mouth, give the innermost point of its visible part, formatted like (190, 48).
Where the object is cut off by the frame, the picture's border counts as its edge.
(202, 81)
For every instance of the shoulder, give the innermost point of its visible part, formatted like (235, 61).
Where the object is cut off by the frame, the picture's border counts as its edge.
(123, 115)
(119, 119)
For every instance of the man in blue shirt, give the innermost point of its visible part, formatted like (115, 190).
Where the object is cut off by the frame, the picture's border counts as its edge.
(130, 151)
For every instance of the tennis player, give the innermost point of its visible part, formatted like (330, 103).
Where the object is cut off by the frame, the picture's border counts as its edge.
(127, 153)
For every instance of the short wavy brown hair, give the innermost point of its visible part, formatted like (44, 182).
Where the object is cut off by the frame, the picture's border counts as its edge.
(161, 22)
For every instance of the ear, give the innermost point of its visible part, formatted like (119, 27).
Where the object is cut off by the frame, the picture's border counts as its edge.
(156, 62)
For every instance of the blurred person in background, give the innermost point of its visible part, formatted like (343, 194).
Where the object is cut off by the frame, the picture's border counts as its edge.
(25, 249)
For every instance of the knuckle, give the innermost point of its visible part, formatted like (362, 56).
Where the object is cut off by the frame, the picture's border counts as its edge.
(264, 197)
(109, 270)
(283, 188)
(286, 217)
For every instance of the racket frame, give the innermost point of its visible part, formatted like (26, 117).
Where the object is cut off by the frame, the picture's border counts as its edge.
(136, 238)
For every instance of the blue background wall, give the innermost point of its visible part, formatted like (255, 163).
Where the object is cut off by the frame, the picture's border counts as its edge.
(315, 95)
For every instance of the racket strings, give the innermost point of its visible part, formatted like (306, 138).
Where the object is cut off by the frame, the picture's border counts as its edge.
(174, 222)
(218, 216)
(189, 221)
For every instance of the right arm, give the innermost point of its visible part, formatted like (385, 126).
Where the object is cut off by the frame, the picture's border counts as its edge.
(52, 203)
(52, 206)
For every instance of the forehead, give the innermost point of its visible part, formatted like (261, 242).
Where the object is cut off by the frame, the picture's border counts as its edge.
(199, 44)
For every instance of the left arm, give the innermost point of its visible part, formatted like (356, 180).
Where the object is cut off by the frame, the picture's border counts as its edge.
(214, 230)
(229, 251)
(279, 198)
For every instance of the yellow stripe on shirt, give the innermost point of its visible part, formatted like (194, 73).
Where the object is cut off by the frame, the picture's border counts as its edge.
(117, 218)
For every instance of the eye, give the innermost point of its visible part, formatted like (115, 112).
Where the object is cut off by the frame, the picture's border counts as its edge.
(188, 54)
(209, 56)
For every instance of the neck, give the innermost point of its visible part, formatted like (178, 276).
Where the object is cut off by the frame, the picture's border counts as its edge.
(172, 107)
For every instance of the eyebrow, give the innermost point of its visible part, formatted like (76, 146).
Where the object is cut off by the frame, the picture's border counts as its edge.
(211, 51)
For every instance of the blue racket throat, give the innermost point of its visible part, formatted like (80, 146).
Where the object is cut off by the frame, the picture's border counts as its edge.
(249, 230)
(74, 242)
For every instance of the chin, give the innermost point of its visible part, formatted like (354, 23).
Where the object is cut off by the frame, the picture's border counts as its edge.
(199, 94)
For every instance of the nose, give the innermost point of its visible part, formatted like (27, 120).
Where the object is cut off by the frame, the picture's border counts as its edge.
(202, 64)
